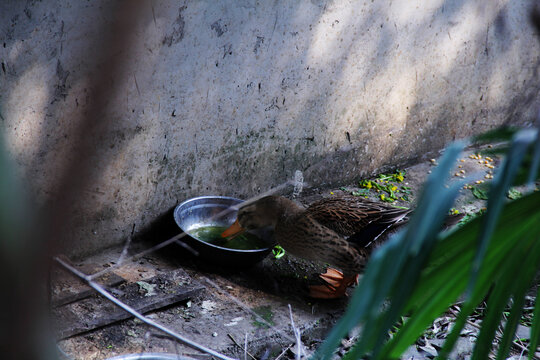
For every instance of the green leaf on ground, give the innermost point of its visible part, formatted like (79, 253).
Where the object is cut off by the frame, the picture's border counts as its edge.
(479, 193)
(514, 194)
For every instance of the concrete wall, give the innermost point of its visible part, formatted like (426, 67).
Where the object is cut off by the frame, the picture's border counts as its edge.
(231, 97)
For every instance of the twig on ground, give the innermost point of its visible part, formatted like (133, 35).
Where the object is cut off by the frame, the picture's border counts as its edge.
(283, 352)
(300, 348)
(245, 347)
(468, 321)
(240, 346)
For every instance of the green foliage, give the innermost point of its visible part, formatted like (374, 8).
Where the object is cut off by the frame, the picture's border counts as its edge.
(420, 273)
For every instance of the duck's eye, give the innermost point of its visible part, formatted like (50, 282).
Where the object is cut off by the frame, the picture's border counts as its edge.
(242, 216)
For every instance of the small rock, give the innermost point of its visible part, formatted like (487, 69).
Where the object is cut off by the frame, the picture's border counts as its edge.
(234, 321)
(463, 348)
(411, 354)
(437, 343)
(299, 353)
(523, 332)
(214, 334)
(429, 350)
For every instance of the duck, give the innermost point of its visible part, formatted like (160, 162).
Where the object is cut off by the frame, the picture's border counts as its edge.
(341, 231)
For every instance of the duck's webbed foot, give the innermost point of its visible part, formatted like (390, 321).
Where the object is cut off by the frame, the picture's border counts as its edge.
(335, 287)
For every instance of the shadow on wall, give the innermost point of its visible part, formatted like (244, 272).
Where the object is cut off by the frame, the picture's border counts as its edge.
(232, 98)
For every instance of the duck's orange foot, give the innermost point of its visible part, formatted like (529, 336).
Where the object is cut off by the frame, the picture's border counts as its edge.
(325, 292)
(335, 287)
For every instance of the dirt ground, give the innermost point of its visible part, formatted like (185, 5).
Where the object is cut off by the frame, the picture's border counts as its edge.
(223, 316)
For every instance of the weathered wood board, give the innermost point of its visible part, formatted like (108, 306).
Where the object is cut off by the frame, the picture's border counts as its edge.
(96, 311)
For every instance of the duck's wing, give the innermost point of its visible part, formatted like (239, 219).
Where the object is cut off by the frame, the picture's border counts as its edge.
(350, 215)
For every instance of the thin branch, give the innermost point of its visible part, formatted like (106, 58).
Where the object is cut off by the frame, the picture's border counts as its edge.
(139, 255)
(283, 352)
(245, 347)
(240, 346)
(138, 315)
(299, 347)
(124, 250)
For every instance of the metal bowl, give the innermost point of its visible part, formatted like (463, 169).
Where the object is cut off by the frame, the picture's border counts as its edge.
(217, 211)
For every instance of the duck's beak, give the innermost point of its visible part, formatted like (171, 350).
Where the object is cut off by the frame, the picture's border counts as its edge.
(233, 231)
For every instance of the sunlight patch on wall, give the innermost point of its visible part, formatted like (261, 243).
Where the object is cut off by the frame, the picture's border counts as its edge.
(405, 13)
(402, 95)
(24, 111)
(329, 32)
(381, 104)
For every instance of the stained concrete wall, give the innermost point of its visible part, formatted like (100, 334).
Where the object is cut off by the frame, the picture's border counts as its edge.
(231, 97)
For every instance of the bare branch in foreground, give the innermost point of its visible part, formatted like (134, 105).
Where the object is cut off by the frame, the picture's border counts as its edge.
(141, 317)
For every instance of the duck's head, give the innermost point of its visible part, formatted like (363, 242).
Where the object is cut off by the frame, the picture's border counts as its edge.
(264, 212)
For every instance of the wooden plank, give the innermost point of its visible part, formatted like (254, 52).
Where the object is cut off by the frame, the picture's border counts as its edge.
(152, 294)
(67, 288)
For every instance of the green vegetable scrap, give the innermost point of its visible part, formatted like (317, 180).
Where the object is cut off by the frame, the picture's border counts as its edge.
(398, 176)
(278, 252)
(385, 185)
(468, 217)
(514, 194)
(362, 192)
(479, 193)
(406, 191)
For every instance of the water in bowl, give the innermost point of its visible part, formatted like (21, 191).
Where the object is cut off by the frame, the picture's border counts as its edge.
(212, 235)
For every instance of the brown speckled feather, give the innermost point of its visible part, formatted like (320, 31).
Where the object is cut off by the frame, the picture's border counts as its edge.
(349, 215)
(303, 236)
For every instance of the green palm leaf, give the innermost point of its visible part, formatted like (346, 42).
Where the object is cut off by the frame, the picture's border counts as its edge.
(421, 274)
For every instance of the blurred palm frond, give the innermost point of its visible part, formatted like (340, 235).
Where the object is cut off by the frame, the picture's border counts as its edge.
(419, 273)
